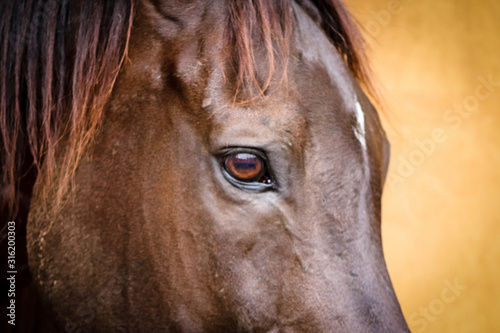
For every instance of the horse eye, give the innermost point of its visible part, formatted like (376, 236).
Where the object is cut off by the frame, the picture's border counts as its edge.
(246, 167)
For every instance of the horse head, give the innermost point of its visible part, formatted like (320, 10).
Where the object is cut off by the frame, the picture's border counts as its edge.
(234, 182)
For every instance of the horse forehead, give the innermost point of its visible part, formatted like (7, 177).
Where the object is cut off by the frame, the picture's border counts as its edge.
(182, 14)
(174, 18)
(314, 47)
(309, 41)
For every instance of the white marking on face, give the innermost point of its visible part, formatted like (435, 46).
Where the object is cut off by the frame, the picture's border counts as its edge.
(359, 130)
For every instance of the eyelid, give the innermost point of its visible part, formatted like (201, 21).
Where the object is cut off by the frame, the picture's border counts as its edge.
(243, 150)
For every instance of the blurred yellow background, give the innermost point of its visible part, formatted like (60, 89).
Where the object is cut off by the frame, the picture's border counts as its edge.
(438, 64)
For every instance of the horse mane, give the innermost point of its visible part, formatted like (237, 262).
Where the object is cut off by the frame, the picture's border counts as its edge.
(59, 61)
(60, 58)
(271, 22)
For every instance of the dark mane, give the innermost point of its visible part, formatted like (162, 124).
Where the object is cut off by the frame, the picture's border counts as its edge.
(60, 58)
(271, 22)
(58, 63)
(250, 22)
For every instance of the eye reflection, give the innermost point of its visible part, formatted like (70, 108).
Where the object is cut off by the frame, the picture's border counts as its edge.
(245, 167)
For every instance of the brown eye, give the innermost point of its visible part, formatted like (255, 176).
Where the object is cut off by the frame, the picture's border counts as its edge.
(245, 167)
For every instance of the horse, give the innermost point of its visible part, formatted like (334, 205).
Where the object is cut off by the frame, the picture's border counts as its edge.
(194, 166)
